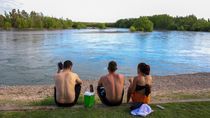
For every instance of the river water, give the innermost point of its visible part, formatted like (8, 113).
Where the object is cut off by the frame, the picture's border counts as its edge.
(30, 57)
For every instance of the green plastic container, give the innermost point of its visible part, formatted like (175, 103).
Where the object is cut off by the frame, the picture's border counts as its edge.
(89, 99)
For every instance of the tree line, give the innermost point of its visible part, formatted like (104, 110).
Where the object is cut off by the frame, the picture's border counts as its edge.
(22, 20)
(164, 22)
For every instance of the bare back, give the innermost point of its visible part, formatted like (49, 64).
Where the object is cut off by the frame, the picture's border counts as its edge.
(141, 81)
(114, 85)
(65, 82)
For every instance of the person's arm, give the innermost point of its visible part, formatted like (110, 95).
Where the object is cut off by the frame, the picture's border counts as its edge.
(123, 79)
(129, 89)
(55, 77)
(148, 85)
(100, 81)
(148, 80)
(78, 80)
(133, 86)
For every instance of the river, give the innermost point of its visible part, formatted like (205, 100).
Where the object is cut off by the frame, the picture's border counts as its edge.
(30, 57)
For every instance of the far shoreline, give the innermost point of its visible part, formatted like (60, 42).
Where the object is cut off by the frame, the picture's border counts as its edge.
(91, 28)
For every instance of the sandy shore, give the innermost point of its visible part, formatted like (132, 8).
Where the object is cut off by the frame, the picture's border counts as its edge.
(163, 86)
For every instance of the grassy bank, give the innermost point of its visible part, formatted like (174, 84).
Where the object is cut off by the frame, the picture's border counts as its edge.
(48, 101)
(172, 110)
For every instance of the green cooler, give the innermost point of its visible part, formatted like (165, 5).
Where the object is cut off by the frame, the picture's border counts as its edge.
(89, 99)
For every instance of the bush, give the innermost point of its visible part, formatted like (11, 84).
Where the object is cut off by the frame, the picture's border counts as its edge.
(78, 25)
(132, 29)
(7, 25)
(143, 24)
(102, 26)
(163, 21)
(180, 28)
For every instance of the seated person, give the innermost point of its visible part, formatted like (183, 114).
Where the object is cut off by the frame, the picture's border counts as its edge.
(110, 87)
(67, 86)
(140, 86)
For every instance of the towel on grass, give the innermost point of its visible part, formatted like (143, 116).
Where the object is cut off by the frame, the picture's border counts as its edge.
(143, 110)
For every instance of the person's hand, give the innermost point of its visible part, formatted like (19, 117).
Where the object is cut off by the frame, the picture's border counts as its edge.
(130, 80)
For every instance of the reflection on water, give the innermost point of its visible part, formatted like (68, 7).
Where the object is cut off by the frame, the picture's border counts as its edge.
(31, 57)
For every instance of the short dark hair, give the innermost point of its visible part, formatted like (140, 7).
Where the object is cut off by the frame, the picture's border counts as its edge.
(112, 66)
(144, 68)
(60, 65)
(67, 64)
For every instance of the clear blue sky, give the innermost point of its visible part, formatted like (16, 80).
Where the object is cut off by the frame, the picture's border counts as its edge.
(109, 10)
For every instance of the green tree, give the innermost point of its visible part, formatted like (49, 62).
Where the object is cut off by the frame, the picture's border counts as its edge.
(201, 25)
(21, 20)
(132, 29)
(36, 20)
(7, 25)
(1, 21)
(102, 26)
(181, 28)
(185, 22)
(79, 25)
(143, 24)
(162, 21)
(125, 23)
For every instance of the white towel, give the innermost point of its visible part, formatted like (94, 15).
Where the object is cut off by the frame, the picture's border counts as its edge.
(144, 110)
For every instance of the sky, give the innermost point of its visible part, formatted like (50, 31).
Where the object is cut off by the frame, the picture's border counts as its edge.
(109, 10)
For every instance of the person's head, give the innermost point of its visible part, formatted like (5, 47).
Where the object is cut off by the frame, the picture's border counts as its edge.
(112, 66)
(143, 69)
(60, 66)
(67, 64)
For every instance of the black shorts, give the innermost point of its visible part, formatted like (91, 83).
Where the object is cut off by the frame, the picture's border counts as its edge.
(102, 95)
(77, 92)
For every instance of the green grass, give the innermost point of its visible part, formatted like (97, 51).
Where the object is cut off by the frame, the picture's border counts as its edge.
(172, 110)
(48, 101)
(183, 96)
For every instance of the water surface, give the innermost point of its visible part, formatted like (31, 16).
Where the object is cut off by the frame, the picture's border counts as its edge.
(30, 57)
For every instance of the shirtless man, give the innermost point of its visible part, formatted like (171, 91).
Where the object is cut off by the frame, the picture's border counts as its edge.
(111, 86)
(67, 86)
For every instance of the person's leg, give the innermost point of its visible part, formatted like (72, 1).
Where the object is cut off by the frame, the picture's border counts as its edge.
(129, 90)
(55, 96)
(102, 95)
(77, 92)
(122, 97)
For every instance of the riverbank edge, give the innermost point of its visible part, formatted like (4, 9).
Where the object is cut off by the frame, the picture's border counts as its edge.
(165, 88)
(45, 29)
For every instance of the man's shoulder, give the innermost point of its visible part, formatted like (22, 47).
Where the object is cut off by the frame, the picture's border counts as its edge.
(121, 76)
(103, 76)
(57, 75)
(75, 75)
(72, 73)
